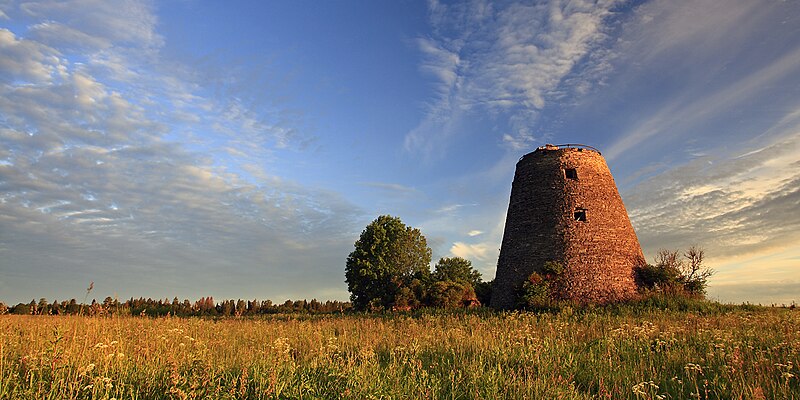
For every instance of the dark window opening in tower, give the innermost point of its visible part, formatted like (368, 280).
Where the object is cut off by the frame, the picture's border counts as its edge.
(571, 173)
(580, 214)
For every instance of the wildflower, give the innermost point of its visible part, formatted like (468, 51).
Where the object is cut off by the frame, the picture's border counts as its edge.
(693, 367)
(645, 388)
(331, 344)
(282, 345)
(785, 371)
(85, 370)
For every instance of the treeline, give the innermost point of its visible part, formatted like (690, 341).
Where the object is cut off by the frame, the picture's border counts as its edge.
(205, 306)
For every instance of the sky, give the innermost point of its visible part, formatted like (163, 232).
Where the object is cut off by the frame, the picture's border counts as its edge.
(237, 149)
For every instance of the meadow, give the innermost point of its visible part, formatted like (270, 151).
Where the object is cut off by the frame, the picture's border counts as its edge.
(717, 352)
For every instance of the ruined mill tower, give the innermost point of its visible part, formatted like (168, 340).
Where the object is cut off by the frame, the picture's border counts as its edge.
(565, 207)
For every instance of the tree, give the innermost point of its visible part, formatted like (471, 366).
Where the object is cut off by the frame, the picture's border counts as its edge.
(664, 275)
(43, 307)
(21, 309)
(673, 275)
(454, 283)
(388, 257)
(456, 269)
(695, 274)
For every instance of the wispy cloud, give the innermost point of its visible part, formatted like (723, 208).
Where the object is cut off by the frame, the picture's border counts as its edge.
(451, 208)
(693, 108)
(696, 66)
(479, 251)
(103, 176)
(738, 206)
(395, 188)
(502, 59)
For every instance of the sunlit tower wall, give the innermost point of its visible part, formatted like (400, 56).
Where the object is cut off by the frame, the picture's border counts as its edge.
(565, 207)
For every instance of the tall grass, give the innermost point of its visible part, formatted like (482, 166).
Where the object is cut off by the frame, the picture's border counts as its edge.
(614, 353)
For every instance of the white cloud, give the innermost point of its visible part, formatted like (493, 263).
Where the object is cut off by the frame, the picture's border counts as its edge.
(61, 36)
(87, 91)
(451, 208)
(479, 251)
(521, 141)
(124, 22)
(474, 232)
(26, 60)
(441, 63)
(393, 188)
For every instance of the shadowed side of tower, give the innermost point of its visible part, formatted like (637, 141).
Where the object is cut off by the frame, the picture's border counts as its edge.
(565, 207)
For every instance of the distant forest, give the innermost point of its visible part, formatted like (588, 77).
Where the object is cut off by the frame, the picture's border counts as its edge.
(205, 306)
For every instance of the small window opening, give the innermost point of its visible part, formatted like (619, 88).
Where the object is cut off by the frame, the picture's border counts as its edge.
(571, 173)
(580, 214)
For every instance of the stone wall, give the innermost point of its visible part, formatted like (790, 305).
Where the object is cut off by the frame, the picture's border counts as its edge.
(565, 207)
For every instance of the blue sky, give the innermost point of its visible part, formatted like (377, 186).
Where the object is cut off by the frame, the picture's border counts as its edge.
(237, 149)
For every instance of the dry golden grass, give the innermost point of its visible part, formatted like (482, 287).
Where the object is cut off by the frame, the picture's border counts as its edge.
(733, 354)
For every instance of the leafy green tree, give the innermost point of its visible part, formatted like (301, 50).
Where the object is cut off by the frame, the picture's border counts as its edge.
(454, 283)
(456, 269)
(388, 257)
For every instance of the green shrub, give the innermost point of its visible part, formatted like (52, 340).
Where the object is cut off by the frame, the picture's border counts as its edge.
(671, 274)
(449, 294)
(536, 292)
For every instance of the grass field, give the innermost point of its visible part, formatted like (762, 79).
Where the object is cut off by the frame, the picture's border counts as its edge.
(718, 353)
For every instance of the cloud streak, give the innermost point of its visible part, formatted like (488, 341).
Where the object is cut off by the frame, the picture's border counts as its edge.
(732, 206)
(705, 61)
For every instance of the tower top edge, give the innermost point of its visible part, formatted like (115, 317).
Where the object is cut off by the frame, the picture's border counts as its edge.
(562, 148)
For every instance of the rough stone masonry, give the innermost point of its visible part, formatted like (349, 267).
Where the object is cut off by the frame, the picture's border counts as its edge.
(565, 207)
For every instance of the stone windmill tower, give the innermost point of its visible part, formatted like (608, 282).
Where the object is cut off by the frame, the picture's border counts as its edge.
(565, 208)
